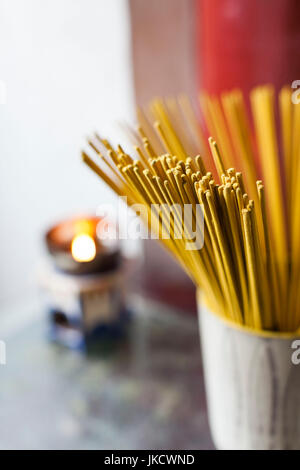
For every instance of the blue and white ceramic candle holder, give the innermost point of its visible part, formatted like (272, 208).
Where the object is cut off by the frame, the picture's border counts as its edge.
(83, 289)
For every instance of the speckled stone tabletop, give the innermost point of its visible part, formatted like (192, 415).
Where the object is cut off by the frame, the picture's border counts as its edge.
(144, 392)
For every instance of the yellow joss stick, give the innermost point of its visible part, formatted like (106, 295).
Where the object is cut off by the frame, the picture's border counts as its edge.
(249, 265)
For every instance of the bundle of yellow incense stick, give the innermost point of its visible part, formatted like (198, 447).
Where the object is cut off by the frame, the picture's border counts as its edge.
(247, 183)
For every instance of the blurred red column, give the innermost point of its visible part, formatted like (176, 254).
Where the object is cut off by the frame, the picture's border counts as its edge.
(243, 43)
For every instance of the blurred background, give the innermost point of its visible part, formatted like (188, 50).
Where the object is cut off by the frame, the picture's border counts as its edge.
(66, 67)
(69, 68)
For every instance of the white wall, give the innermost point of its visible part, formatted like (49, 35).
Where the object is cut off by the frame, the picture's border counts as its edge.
(66, 65)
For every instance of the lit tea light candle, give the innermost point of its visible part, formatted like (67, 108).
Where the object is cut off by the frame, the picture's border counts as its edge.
(84, 281)
(83, 248)
(77, 247)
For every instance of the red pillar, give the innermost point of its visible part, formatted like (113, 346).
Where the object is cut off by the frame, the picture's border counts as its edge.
(243, 43)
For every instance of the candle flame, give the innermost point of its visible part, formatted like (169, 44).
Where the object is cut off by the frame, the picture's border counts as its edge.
(83, 248)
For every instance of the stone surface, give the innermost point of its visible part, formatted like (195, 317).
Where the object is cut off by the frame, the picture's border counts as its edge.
(145, 392)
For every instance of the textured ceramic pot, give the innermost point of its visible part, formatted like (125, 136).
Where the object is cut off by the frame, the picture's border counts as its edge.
(252, 385)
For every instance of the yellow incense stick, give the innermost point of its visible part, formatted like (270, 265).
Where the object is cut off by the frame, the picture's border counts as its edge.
(249, 266)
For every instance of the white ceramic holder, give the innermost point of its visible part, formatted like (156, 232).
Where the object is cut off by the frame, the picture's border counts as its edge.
(252, 385)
